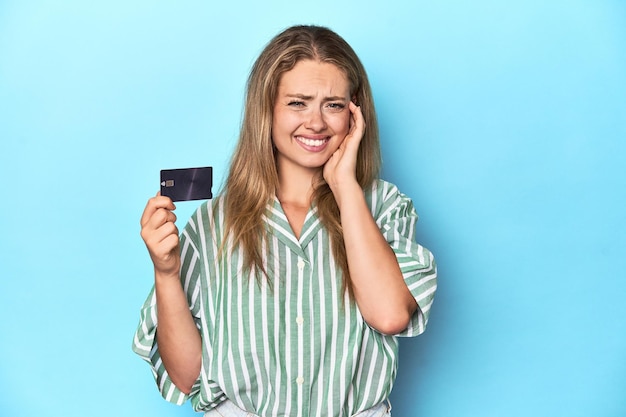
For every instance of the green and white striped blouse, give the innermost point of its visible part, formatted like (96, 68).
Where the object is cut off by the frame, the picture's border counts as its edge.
(297, 346)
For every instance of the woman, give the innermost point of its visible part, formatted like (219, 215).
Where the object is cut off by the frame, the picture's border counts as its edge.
(284, 296)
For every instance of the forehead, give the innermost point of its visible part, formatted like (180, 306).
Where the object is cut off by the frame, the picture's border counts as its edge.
(309, 76)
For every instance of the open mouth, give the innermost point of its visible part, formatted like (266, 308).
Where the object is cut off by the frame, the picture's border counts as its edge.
(312, 143)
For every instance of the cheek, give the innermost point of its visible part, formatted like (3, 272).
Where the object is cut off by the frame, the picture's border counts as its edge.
(284, 121)
(340, 122)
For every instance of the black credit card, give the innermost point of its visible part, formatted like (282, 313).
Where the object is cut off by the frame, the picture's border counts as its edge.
(187, 184)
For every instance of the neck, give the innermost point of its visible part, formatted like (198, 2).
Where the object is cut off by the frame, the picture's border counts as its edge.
(296, 187)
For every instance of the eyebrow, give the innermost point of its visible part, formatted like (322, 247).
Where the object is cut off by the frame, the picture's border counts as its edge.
(306, 98)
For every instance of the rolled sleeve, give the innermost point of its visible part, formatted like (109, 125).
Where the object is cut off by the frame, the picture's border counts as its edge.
(145, 342)
(397, 221)
(145, 345)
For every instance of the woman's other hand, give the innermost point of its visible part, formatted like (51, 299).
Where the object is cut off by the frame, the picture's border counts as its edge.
(340, 170)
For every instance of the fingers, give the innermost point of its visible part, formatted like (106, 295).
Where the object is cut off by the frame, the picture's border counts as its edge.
(160, 217)
(357, 125)
(160, 234)
(158, 220)
(158, 229)
(352, 140)
(154, 204)
(358, 121)
(341, 166)
(161, 241)
(161, 223)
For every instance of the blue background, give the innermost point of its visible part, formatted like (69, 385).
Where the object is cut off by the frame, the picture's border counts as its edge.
(504, 121)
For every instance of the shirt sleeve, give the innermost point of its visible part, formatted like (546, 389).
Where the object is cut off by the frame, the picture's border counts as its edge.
(397, 219)
(145, 342)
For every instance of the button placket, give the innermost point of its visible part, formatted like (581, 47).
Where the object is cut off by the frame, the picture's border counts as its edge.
(299, 319)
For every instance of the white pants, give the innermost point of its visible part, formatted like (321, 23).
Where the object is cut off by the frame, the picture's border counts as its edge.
(229, 409)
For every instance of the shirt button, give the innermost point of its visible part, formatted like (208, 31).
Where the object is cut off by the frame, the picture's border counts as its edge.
(300, 380)
(300, 264)
(299, 320)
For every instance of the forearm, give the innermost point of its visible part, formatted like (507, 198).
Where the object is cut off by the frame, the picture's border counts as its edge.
(383, 298)
(180, 345)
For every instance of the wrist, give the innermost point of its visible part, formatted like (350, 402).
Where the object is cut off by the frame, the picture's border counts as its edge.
(348, 195)
(166, 276)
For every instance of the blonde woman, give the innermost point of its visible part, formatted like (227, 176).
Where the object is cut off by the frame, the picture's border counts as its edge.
(285, 295)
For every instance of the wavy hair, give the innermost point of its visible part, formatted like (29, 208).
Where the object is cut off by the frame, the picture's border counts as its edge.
(253, 179)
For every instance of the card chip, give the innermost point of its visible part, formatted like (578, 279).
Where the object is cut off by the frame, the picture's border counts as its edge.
(169, 183)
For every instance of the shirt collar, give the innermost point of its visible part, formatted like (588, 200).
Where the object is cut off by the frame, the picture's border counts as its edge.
(278, 225)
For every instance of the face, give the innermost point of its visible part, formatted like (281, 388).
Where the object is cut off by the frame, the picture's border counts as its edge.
(311, 116)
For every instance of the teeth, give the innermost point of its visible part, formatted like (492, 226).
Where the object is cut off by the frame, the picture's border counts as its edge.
(312, 142)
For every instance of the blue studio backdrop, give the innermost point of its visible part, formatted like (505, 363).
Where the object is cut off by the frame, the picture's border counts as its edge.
(505, 122)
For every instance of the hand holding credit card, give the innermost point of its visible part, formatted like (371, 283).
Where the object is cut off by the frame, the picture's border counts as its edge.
(187, 184)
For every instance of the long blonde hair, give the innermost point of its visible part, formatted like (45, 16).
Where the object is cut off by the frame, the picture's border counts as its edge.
(252, 180)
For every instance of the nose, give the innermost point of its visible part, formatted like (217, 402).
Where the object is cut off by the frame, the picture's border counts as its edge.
(315, 120)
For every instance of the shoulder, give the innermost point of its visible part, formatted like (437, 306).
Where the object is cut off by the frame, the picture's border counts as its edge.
(384, 197)
(381, 190)
(209, 214)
